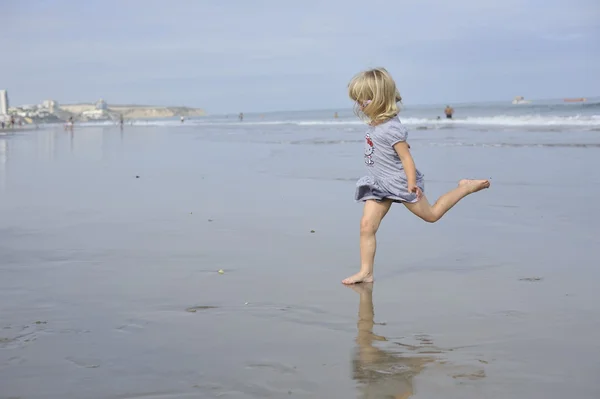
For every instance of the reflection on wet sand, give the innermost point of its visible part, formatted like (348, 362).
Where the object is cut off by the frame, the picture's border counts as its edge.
(381, 373)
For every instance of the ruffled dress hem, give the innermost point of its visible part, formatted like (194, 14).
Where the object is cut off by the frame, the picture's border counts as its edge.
(368, 189)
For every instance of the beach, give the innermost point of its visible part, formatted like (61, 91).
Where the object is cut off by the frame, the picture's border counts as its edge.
(112, 239)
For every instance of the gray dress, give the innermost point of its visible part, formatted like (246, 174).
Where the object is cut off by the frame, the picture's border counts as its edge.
(386, 178)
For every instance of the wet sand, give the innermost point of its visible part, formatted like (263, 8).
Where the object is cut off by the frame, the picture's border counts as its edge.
(111, 241)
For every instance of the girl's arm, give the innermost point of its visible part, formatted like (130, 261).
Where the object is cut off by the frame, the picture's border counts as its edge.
(402, 149)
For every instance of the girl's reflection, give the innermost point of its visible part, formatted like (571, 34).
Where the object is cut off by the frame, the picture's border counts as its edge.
(381, 373)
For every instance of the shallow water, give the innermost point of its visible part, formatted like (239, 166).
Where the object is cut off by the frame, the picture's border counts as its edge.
(109, 285)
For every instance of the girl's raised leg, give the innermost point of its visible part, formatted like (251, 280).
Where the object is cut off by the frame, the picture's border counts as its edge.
(433, 213)
(373, 214)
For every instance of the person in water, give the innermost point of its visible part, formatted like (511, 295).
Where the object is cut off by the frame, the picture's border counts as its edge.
(449, 111)
(392, 174)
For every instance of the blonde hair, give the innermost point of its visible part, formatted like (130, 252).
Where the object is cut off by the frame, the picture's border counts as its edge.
(375, 95)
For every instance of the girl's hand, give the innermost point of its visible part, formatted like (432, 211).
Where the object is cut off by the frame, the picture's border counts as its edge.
(415, 190)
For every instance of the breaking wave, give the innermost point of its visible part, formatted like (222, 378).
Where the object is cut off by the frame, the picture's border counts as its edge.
(506, 120)
(587, 121)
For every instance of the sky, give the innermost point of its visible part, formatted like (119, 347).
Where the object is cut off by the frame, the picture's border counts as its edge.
(267, 55)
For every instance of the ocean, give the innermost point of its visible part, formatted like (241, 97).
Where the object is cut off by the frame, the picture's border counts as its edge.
(547, 114)
(112, 239)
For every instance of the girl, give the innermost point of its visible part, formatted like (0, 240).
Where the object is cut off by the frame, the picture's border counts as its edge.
(392, 176)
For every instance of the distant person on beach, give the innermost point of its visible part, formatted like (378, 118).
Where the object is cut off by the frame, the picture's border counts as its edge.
(69, 124)
(3, 124)
(241, 116)
(182, 119)
(121, 121)
(392, 174)
(449, 111)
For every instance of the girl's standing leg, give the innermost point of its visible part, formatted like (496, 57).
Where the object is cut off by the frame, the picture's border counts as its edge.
(433, 213)
(373, 214)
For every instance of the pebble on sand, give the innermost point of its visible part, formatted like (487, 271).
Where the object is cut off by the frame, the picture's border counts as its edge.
(221, 271)
(531, 279)
(312, 231)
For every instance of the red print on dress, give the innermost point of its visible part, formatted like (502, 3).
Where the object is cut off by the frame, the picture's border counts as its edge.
(369, 150)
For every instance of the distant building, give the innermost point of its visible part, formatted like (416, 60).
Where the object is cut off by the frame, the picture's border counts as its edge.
(50, 105)
(101, 105)
(3, 102)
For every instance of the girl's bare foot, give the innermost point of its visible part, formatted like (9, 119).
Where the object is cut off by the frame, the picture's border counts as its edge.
(472, 186)
(360, 277)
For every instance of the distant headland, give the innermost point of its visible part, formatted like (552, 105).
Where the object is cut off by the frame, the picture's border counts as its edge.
(50, 111)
